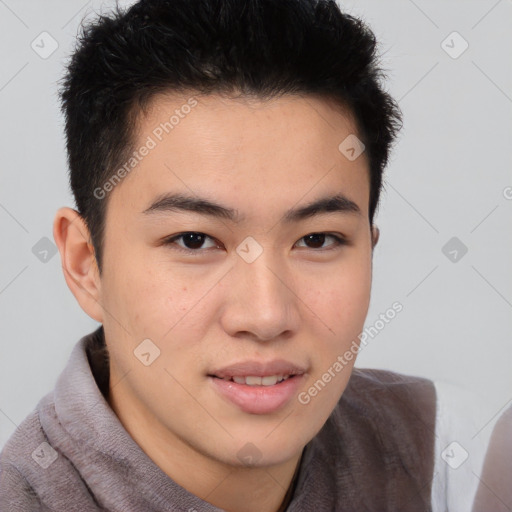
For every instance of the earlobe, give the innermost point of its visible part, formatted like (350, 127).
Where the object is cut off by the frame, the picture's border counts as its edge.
(375, 236)
(78, 261)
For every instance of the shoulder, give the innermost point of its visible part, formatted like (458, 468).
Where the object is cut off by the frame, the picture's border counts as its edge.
(25, 452)
(397, 410)
(388, 393)
(381, 436)
(36, 472)
(28, 432)
(378, 378)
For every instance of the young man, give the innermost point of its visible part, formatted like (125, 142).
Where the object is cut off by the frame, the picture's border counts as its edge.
(226, 158)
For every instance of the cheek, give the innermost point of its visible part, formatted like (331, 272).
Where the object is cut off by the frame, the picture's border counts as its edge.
(164, 304)
(137, 297)
(341, 306)
(341, 299)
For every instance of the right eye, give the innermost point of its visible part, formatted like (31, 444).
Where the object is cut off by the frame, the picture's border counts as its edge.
(190, 241)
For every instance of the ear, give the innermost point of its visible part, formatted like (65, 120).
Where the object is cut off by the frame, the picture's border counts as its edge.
(375, 236)
(78, 261)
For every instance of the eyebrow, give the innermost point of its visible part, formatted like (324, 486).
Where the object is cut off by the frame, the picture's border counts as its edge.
(337, 204)
(179, 202)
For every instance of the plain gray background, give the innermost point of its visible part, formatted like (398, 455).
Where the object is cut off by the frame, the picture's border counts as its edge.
(449, 176)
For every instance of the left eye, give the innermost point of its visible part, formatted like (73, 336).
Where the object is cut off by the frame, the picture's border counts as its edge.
(317, 240)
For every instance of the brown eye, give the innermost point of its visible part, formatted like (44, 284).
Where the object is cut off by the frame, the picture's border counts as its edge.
(191, 241)
(315, 240)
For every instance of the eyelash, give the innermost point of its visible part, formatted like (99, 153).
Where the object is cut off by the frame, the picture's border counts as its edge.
(339, 241)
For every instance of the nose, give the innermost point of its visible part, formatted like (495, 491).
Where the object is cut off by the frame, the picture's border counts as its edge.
(261, 302)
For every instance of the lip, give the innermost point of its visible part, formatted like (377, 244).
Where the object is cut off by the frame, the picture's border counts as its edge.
(258, 399)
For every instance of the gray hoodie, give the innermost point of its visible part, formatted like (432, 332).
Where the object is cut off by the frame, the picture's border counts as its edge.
(374, 453)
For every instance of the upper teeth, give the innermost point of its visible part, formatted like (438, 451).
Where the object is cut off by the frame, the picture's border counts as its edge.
(251, 380)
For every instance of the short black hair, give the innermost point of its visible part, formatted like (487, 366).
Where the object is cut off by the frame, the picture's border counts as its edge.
(260, 48)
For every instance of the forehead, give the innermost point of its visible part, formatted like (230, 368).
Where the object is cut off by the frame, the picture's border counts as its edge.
(220, 118)
(243, 151)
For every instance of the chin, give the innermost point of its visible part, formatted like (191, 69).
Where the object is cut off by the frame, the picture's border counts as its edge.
(266, 448)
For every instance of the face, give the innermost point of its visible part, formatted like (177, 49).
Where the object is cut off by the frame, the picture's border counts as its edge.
(239, 246)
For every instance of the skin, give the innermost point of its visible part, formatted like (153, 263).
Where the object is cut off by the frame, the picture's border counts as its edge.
(297, 301)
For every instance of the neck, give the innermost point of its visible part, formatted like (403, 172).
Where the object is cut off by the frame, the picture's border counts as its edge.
(224, 486)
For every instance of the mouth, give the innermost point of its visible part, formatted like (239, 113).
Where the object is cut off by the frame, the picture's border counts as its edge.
(255, 380)
(254, 394)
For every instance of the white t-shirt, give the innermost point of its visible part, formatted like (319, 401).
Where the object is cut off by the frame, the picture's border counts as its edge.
(464, 425)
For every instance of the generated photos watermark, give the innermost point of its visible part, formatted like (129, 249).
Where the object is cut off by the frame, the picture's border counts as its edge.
(344, 359)
(151, 142)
